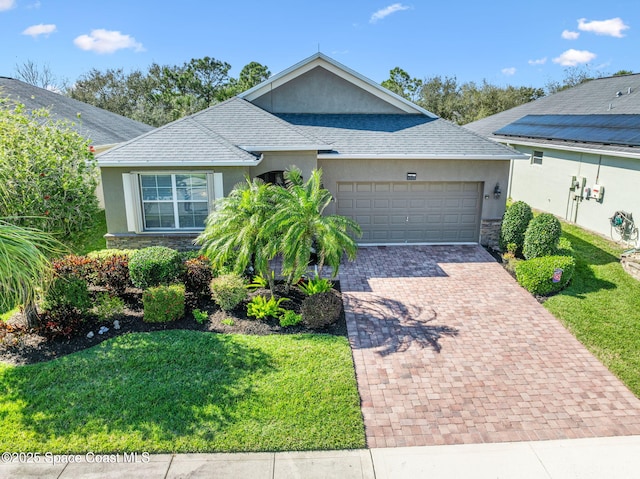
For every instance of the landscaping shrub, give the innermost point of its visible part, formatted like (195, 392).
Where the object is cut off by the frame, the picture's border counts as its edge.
(201, 317)
(565, 248)
(197, 276)
(542, 236)
(163, 303)
(67, 292)
(321, 310)
(75, 266)
(153, 266)
(111, 268)
(260, 307)
(315, 286)
(536, 274)
(107, 307)
(290, 318)
(228, 291)
(514, 225)
(62, 322)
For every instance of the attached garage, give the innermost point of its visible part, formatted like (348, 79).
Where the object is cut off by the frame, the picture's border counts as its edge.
(413, 212)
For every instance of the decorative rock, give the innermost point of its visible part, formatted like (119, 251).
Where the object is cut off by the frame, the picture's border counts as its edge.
(90, 334)
(103, 329)
(116, 324)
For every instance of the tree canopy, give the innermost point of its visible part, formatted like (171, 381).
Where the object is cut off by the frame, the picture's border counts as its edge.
(164, 93)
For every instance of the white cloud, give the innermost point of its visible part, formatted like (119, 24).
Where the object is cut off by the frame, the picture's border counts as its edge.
(572, 57)
(385, 12)
(569, 35)
(539, 61)
(41, 29)
(509, 71)
(106, 41)
(7, 4)
(612, 27)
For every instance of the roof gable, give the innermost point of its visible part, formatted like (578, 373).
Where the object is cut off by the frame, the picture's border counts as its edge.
(321, 85)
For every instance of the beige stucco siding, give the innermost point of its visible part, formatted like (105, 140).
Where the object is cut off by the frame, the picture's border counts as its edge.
(546, 187)
(114, 190)
(320, 91)
(487, 172)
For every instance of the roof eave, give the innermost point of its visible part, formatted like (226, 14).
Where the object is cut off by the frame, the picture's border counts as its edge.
(364, 156)
(559, 146)
(270, 148)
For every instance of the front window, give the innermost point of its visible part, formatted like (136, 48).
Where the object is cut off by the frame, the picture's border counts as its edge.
(536, 157)
(174, 201)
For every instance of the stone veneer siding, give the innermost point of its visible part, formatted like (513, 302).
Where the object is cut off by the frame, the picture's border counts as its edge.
(490, 233)
(180, 241)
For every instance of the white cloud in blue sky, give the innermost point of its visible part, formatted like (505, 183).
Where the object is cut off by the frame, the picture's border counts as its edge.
(538, 61)
(572, 57)
(40, 29)
(569, 35)
(106, 41)
(509, 71)
(7, 4)
(385, 12)
(612, 27)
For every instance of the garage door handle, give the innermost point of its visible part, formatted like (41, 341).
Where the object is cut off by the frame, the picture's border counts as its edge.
(407, 219)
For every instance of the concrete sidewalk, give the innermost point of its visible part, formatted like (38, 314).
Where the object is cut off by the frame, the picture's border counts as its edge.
(615, 457)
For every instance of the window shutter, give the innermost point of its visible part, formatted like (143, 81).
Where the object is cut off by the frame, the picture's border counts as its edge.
(130, 187)
(218, 186)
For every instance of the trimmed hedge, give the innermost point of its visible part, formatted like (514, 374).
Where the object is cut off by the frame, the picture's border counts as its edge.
(154, 265)
(514, 225)
(542, 236)
(536, 274)
(162, 304)
(228, 291)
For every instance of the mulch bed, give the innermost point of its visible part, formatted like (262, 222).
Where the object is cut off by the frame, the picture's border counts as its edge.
(19, 346)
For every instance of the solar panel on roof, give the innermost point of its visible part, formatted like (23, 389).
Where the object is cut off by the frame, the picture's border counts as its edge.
(605, 129)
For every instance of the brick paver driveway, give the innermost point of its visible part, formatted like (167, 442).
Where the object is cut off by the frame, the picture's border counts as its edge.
(449, 349)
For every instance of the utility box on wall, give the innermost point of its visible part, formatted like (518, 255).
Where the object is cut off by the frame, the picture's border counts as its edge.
(596, 192)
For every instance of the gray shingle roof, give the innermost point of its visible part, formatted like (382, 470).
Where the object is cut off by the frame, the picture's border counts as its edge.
(396, 135)
(100, 126)
(598, 96)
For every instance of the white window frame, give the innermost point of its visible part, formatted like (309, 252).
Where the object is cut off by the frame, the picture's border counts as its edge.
(134, 204)
(536, 157)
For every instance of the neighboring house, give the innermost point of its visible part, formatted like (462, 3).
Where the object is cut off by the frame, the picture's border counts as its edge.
(102, 128)
(583, 145)
(405, 175)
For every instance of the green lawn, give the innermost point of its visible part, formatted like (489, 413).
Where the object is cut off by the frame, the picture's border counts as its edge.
(601, 306)
(186, 391)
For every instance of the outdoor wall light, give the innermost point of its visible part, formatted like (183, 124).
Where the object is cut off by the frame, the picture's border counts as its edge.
(412, 176)
(497, 192)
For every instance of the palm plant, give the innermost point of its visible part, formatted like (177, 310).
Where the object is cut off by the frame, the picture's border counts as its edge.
(24, 267)
(233, 232)
(301, 226)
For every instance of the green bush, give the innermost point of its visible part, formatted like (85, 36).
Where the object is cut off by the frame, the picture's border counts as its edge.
(197, 276)
(565, 248)
(316, 285)
(201, 317)
(260, 307)
(109, 252)
(542, 236)
(107, 307)
(321, 310)
(514, 225)
(536, 274)
(290, 318)
(228, 291)
(163, 303)
(153, 266)
(67, 292)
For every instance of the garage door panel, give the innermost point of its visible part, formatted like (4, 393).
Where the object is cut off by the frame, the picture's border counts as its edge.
(399, 212)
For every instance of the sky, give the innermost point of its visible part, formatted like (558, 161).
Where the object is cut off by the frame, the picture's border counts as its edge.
(503, 42)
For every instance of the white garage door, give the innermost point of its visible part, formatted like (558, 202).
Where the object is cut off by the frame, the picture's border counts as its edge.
(413, 212)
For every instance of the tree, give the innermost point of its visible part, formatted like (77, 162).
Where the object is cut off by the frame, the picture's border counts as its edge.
(234, 232)
(401, 83)
(29, 72)
(301, 226)
(24, 266)
(573, 76)
(47, 169)
(620, 73)
(252, 74)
